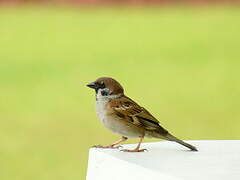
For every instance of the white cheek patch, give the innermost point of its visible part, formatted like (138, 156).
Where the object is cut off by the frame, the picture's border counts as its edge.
(101, 92)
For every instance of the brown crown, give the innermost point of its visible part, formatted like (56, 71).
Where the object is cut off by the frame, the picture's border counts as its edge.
(114, 86)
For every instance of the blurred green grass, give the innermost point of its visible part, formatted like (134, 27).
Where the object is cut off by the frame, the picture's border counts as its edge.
(180, 63)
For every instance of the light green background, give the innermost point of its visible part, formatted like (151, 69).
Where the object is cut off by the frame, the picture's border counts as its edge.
(182, 64)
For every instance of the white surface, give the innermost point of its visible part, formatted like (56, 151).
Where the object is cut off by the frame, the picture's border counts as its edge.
(215, 160)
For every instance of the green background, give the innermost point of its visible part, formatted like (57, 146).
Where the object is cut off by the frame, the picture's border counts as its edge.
(180, 63)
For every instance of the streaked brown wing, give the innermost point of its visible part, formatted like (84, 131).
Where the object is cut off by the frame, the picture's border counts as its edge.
(125, 107)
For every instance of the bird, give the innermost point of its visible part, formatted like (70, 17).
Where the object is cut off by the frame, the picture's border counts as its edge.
(125, 117)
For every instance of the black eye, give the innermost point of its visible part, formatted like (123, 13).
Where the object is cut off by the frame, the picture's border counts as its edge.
(102, 85)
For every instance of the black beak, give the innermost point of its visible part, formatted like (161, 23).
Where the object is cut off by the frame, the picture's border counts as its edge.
(92, 85)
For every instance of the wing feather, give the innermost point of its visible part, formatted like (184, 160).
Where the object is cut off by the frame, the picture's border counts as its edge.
(125, 107)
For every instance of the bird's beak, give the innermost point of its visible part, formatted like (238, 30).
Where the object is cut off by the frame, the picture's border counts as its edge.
(92, 85)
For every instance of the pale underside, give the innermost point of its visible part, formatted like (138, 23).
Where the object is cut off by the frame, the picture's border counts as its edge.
(114, 117)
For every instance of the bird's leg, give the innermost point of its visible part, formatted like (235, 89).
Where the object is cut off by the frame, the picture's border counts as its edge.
(137, 149)
(113, 145)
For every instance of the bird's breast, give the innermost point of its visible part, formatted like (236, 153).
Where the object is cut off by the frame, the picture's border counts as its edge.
(115, 123)
(101, 109)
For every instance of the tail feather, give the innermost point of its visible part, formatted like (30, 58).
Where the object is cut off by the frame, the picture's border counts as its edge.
(173, 138)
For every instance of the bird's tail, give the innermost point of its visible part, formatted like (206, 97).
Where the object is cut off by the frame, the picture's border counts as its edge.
(173, 138)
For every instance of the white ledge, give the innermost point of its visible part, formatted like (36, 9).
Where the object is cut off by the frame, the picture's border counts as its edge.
(215, 160)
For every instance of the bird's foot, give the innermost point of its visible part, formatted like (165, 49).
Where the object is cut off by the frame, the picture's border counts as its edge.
(134, 150)
(107, 147)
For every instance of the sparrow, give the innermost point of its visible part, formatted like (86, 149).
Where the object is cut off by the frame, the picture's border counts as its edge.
(123, 116)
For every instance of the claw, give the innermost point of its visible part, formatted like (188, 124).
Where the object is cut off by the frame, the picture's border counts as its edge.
(97, 146)
(134, 150)
(106, 147)
(117, 147)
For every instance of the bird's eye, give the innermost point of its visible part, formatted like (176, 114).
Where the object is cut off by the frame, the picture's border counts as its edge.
(102, 85)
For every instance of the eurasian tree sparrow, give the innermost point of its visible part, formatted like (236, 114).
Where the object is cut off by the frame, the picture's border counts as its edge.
(122, 115)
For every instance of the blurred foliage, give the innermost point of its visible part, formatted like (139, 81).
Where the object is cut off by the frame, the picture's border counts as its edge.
(180, 63)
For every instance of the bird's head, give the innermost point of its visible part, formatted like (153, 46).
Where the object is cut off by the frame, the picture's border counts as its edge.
(106, 86)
